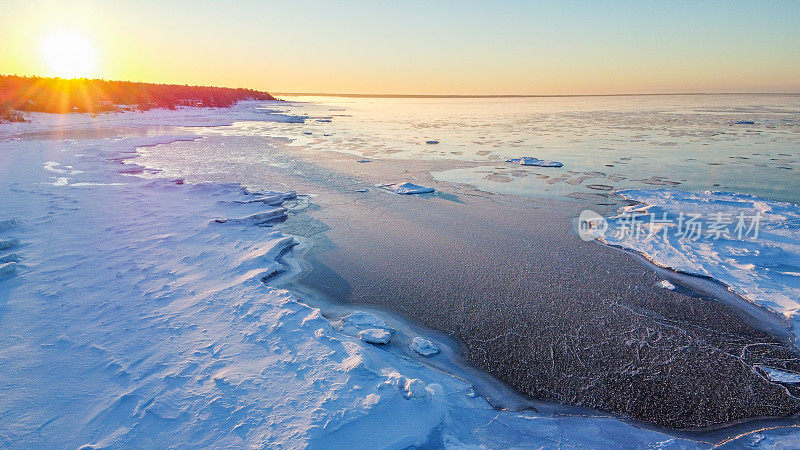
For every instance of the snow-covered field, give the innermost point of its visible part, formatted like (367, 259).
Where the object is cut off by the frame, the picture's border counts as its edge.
(133, 314)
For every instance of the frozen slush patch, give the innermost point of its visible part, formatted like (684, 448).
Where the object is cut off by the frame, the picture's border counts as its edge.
(531, 161)
(755, 266)
(781, 376)
(665, 284)
(409, 188)
(424, 346)
(375, 336)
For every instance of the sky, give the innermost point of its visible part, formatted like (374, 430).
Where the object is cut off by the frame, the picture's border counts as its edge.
(414, 47)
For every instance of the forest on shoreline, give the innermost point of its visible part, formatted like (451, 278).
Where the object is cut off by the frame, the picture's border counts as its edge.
(59, 95)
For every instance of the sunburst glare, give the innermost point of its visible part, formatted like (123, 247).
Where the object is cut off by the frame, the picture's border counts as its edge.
(68, 55)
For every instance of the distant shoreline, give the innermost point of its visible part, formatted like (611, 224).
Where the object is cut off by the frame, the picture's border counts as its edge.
(322, 94)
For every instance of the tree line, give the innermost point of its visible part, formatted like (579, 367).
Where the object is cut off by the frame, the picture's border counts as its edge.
(59, 95)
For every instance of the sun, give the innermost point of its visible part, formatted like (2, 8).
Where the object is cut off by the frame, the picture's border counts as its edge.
(68, 55)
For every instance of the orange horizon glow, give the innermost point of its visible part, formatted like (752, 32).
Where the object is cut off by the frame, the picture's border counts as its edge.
(425, 49)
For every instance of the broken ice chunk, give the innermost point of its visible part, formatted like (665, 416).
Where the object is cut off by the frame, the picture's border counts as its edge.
(259, 218)
(666, 285)
(531, 161)
(375, 336)
(424, 346)
(409, 188)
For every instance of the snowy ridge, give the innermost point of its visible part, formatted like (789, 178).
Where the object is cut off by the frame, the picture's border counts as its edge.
(763, 268)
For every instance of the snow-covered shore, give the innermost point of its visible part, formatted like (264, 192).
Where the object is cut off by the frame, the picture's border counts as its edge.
(748, 243)
(135, 316)
(195, 117)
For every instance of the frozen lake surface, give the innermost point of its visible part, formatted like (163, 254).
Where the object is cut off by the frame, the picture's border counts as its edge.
(694, 142)
(161, 300)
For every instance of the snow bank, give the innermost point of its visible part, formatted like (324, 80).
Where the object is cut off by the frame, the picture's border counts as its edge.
(750, 244)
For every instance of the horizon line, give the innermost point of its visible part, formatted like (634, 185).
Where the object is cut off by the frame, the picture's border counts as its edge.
(466, 96)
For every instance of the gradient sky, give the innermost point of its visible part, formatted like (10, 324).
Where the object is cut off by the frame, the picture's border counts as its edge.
(424, 47)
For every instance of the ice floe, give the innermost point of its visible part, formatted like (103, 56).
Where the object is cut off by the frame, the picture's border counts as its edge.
(531, 161)
(409, 188)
